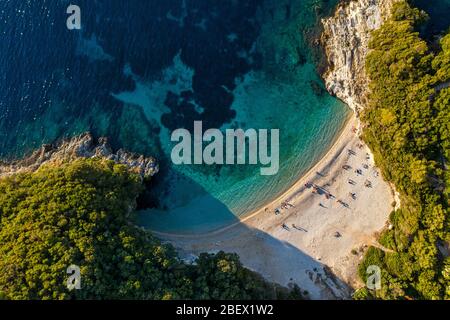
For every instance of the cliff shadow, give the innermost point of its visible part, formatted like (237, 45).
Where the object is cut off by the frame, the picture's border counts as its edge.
(218, 229)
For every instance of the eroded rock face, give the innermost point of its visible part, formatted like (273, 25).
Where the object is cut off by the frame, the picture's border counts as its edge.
(83, 146)
(346, 42)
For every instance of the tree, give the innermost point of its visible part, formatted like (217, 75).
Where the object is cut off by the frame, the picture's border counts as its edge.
(407, 127)
(78, 213)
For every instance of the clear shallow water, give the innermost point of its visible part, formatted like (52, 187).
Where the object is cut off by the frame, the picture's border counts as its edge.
(139, 70)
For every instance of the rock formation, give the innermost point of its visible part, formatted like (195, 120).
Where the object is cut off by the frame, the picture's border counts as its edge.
(346, 42)
(83, 146)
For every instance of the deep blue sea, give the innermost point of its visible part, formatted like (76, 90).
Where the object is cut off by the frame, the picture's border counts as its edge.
(439, 13)
(139, 69)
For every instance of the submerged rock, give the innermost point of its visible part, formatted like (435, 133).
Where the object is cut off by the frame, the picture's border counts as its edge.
(82, 146)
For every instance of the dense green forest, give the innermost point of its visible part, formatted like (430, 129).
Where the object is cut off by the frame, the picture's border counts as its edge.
(408, 128)
(79, 214)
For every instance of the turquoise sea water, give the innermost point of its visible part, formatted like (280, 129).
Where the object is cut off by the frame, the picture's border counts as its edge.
(277, 96)
(285, 93)
(137, 70)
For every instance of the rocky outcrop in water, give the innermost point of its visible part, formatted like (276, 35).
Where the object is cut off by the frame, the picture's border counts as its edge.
(346, 42)
(83, 146)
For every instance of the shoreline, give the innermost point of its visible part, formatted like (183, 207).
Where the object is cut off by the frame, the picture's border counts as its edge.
(352, 121)
(300, 244)
(318, 243)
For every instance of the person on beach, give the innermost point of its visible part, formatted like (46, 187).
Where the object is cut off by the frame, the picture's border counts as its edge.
(299, 228)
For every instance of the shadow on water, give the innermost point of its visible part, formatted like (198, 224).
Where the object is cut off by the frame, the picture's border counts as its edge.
(218, 229)
(204, 213)
(60, 83)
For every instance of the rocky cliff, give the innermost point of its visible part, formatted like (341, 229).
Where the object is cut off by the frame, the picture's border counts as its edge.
(83, 146)
(346, 40)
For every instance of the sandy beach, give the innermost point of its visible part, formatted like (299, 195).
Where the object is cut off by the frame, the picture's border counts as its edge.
(317, 231)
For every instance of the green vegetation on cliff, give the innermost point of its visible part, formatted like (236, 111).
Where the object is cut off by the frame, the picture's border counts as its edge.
(78, 214)
(408, 128)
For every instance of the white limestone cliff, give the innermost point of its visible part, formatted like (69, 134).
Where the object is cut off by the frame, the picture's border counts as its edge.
(346, 43)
